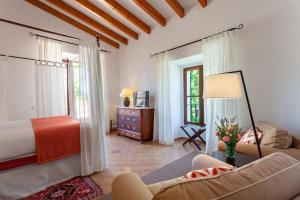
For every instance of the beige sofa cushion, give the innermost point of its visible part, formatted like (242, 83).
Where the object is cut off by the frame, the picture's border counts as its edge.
(274, 136)
(251, 149)
(270, 187)
(272, 169)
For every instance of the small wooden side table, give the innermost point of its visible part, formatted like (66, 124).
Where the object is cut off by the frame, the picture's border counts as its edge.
(240, 158)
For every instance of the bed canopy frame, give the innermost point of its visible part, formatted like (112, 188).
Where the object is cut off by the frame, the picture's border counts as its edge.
(51, 38)
(64, 63)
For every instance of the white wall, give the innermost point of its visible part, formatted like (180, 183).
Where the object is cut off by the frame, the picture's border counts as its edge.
(267, 52)
(14, 40)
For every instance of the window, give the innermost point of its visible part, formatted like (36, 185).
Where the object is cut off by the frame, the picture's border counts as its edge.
(193, 92)
(80, 97)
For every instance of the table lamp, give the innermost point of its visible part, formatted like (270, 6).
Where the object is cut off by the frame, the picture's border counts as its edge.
(126, 93)
(229, 85)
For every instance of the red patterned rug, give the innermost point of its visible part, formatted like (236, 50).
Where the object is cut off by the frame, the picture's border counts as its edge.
(79, 188)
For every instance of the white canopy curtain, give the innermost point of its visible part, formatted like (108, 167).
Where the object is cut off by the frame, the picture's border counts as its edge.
(218, 57)
(73, 86)
(91, 110)
(163, 112)
(50, 80)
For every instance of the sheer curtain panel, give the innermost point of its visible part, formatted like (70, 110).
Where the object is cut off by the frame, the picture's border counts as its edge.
(91, 109)
(218, 57)
(163, 122)
(50, 80)
(106, 87)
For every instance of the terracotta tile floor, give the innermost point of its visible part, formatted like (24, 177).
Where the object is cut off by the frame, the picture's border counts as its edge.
(125, 154)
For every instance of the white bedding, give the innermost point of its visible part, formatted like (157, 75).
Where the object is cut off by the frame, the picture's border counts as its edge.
(16, 139)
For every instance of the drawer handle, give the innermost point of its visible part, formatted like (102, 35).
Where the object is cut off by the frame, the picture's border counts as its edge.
(133, 128)
(134, 120)
(128, 119)
(122, 118)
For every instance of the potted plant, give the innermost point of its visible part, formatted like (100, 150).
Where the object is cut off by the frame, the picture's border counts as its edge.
(229, 132)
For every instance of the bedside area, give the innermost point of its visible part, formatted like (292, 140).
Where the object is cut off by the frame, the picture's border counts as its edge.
(136, 123)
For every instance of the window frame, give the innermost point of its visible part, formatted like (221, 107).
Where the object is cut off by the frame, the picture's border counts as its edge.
(185, 96)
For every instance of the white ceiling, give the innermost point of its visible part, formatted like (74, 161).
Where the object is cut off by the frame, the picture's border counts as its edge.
(160, 5)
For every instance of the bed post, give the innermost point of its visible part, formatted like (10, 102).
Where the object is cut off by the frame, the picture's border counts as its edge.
(68, 98)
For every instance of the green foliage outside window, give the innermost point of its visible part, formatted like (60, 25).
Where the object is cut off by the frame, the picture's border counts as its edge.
(194, 99)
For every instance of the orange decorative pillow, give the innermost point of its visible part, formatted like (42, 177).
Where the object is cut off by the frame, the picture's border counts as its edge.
(209, 172)
(249, 137)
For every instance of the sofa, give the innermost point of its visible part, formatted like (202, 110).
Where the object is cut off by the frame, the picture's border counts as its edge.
(276, 176)
(274, 139)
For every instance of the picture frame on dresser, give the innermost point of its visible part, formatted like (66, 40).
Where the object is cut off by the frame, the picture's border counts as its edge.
(141, 99)
(136, 123)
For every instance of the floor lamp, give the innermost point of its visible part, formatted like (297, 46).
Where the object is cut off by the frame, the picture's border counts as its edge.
(229, 86)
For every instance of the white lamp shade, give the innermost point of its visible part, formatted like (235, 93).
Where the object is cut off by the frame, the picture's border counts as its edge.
(225, 86)
(126, 92)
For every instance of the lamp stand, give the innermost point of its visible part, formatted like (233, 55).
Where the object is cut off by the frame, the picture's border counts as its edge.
(249, 108)
(126, 101)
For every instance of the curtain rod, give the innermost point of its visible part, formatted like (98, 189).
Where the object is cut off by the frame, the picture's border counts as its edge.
(39, 29)
(50, 38)
(199, 40)
(33, 59)
(47, 31)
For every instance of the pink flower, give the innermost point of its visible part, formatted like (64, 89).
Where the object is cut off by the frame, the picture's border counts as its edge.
(238, 136)
(226, 139)
(217, 133)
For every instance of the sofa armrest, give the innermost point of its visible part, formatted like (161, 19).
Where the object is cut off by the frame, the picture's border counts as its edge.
(203, 161)
(129, 186)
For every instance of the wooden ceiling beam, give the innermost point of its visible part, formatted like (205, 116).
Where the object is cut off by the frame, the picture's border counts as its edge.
(176, 7)
(73, 22)
(128, 15)
(151, 11)
(203, 3)
(76, 13)
(101, 13)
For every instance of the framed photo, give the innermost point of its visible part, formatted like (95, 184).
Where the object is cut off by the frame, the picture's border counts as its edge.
(140, 103)
(141, 99)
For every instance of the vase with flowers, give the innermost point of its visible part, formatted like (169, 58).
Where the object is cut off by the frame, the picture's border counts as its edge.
(228, 131)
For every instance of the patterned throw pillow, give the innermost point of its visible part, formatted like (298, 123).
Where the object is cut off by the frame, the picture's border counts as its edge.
(249, 137)
(209, 172)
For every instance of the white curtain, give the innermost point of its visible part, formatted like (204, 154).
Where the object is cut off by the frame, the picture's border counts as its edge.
(50, 80)
(91, 110)
(163, 122)
(176, 96)
(217, 58)
(106, 87)
(3, 88)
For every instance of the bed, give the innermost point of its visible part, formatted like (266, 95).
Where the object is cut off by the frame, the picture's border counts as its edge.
(17, 142)
(37, 153)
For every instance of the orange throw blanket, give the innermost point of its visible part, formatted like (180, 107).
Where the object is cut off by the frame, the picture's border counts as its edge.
(56, 137)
